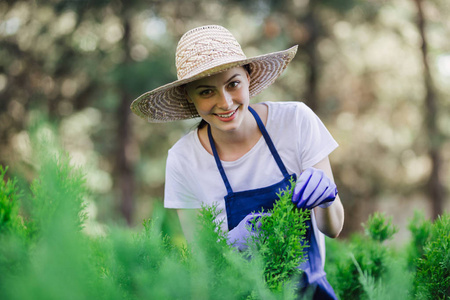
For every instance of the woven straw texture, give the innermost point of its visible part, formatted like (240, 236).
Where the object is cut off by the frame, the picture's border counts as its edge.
(202, 52)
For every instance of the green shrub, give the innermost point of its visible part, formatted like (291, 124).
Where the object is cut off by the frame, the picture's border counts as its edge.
(280, 241)
(58, 195)
(56, 263)
(217, 265)
(50, 257)
(10, 220)
(13, 229)
(360, 268)
(62, 262)
(432, 280)
(420, 229)
(47, 256)
(379, 228)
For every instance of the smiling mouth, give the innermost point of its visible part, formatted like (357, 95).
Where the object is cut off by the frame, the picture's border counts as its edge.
(227, 115)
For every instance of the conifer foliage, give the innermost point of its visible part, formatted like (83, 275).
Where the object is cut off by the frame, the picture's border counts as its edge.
(45, 254)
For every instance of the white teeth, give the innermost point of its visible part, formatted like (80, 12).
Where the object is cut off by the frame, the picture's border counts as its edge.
(227, 115)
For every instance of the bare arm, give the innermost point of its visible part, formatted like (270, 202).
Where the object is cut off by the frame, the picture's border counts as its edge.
(188, 222)
(330, 220)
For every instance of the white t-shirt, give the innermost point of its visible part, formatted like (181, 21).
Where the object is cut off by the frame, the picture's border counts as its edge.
(192, 177)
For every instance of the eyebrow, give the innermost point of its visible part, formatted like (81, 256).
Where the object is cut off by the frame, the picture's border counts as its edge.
(209, 86)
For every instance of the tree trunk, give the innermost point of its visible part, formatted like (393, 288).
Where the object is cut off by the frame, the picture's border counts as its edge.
(124, 165)
(435, 188)
(310, 47)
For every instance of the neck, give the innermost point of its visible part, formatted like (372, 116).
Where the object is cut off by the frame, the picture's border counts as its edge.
(232, 145)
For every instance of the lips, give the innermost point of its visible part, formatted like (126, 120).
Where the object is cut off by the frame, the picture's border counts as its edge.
(228, 116)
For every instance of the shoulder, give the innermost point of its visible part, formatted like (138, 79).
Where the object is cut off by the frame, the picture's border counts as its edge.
(179, 157)
(288, 111)
(286, 106)
(184, 146)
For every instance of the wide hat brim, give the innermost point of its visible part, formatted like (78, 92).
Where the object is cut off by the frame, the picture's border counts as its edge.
(169, 103)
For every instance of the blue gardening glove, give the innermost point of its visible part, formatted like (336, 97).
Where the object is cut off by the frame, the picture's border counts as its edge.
(238, 236)
(314, 188)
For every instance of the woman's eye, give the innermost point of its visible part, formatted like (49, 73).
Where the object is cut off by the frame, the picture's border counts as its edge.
(233, 84)
(205, 92)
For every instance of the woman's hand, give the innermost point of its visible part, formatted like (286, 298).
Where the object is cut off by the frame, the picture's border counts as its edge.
(314, 188)
(238, 236)
(331, 219)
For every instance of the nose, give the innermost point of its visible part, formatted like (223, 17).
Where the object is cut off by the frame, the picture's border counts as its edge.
(225, 101)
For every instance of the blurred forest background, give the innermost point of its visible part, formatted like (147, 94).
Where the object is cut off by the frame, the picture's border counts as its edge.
(376, 72)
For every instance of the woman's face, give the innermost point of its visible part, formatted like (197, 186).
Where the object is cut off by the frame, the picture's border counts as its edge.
(221, 99)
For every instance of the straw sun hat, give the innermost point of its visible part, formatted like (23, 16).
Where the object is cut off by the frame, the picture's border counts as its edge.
(202, 52)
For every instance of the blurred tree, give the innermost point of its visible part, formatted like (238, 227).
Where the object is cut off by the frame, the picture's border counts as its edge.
(435, 187)
(124, 164)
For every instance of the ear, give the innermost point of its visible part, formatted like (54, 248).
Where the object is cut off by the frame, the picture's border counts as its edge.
(186, 94)
(248, 77)
(247, 72)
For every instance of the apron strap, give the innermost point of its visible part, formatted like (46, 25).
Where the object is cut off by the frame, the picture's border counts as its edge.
(218, 162)
(269, 143)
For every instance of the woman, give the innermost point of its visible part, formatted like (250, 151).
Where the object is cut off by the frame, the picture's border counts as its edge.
(242, 154)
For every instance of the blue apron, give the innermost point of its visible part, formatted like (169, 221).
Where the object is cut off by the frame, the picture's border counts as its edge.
(240, 204)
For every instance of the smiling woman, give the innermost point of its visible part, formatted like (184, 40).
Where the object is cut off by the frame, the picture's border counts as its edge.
(246, 153)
